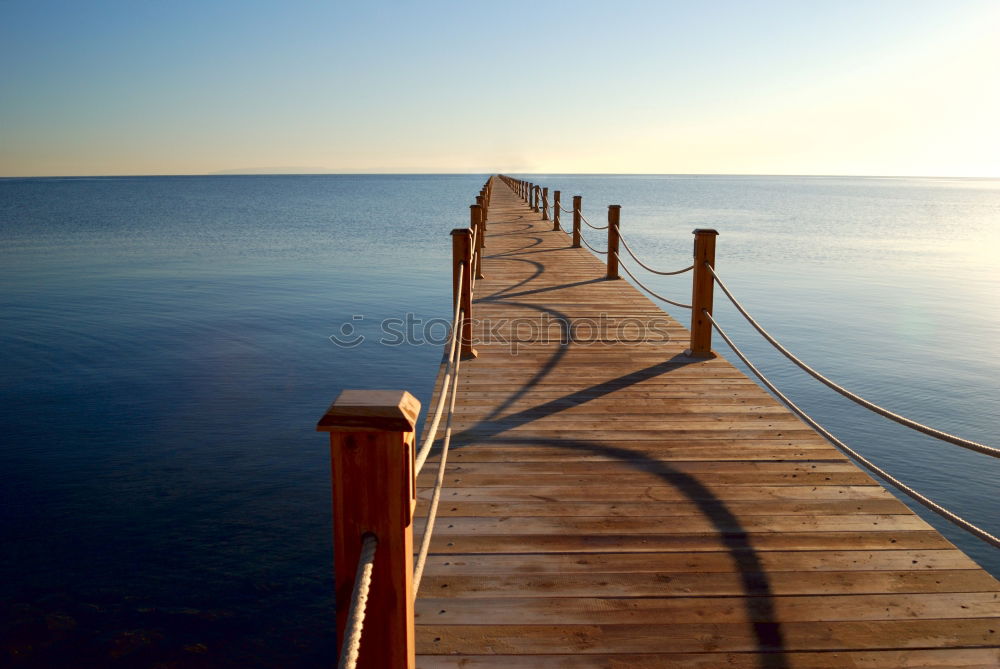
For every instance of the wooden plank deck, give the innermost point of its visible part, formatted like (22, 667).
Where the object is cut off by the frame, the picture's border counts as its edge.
(613, 503)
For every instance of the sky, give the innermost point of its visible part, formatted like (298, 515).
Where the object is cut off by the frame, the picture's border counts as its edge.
(874, 87)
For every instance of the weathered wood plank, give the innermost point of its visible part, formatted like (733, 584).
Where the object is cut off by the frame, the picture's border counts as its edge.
(619, 525)
(946, 658)
(711, 541)
(663, 509)
(707, 637)
(704, 562)
(745, 580)
(705, 491)
(668, 611)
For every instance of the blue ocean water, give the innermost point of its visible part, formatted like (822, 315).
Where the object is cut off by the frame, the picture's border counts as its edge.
(166, 354)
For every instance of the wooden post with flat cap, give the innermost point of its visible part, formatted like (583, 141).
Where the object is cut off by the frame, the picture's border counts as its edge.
(614, 213)
(478, 224)
(577, 208)
(481, 236)
(545, 203)
(374, 492)
(461, 265)
(555, 210)
(702, 287)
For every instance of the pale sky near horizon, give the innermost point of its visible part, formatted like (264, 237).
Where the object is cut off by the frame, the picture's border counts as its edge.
(886, 87)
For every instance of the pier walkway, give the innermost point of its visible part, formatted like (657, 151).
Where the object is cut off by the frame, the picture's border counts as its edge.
(609, 501)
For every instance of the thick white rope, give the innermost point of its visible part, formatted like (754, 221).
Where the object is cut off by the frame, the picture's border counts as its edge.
(868, 464)
(648, 289)
(425, 448)
(587, 244)
(595, 227)
(425, 542)
(857, 399)
(647, 267)
(359, 599)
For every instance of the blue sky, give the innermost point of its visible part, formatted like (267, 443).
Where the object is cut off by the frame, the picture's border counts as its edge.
(730, 87)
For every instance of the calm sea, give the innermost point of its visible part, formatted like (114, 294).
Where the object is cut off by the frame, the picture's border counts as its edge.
(166, 353)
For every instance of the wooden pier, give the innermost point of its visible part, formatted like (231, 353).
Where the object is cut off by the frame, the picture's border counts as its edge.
(610, 500)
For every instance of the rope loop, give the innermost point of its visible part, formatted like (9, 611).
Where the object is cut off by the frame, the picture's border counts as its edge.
(648, 289)
(647, 267)
(595, 227)
(587, 244)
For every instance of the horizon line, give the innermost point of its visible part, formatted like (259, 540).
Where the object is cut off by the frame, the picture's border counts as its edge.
(241, 173)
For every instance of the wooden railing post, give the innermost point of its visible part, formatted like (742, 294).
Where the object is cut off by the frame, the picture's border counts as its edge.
(614, 210)
(374, 492)
(538, 191)
(702, 288)
(481, 238)
(545, 203)
(478, 226)
(461, 264)
(555, 210)
(577, 208)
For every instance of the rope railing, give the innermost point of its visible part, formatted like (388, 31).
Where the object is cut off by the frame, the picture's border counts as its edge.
(857, 399)
(595, 227)
(650, 290)
(359, 600)
(647, 267)
(587, 244)
(452, 367)
(847, 450)
(425, 542)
